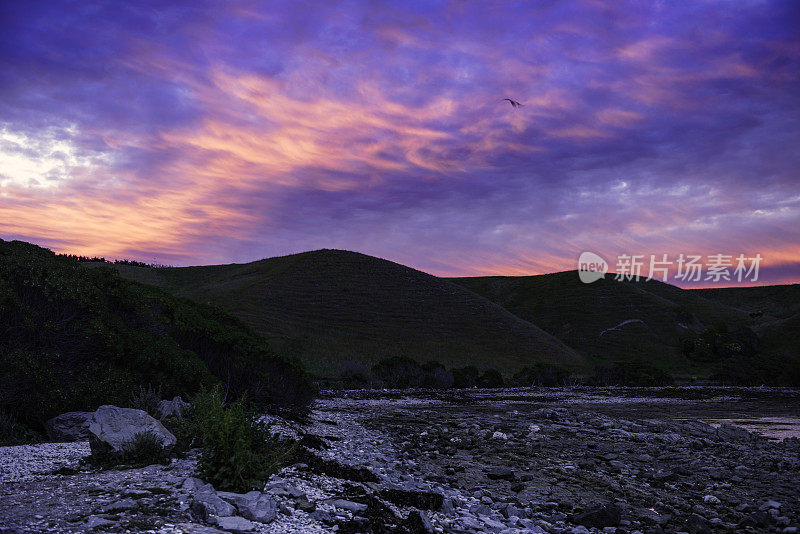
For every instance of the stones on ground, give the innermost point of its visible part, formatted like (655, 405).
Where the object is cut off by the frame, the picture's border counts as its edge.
(206, 503)
(94, 522)
(418, 523)
(711, 499)
(347, 505)
(111, 429)
(501, 473)
(697, 524)
(602, 515)
(263, 508)
(70, 426)
(234, 524)
(422, 499)
(122, 505)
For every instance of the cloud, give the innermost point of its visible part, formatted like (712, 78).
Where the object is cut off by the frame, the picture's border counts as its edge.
(199, 132)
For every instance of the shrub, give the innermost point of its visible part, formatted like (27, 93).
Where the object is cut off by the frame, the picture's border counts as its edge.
(398, 372)
(13, 433)
(147, 399)
(74, 337)
(630, 373)
(542, 374)
(146, 449)
(239, 451)
(436, 376)
(491, 378)
(465, 377)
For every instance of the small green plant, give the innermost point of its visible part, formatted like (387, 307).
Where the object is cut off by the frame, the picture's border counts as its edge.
(145, 448)
(147, 399)
(239, 451)
(13, 433)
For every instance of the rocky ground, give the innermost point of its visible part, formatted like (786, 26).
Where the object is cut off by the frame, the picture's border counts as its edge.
(460, 462)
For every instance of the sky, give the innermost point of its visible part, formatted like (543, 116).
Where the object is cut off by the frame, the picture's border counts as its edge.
(218, 132)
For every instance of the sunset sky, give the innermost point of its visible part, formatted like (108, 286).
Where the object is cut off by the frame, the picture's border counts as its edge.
(218, 132)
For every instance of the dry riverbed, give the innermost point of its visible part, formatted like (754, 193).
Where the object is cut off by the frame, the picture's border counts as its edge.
(461, 461)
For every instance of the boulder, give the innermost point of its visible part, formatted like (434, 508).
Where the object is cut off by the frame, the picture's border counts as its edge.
(603, 515)
(207, 503)
(235, 524)
(263, 508)
(112, 428)
(172, 408)
(70, 426)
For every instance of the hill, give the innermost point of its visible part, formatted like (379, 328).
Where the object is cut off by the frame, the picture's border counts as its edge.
(73, 338)
(610, 320)
(334, 308)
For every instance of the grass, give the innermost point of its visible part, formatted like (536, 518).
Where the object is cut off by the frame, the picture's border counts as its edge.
(329, 306)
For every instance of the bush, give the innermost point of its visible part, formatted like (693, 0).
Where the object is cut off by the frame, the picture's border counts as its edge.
(542, 374)
(147, 399)
(74, 337)
(465, 377)
(630, 373)
(239, 451)
(145, 449)
(13, 433)
(398, 372)
(436, 376)
(491, 378)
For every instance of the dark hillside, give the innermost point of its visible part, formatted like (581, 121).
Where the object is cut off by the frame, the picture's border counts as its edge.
(610, 320)
(331, 306)
(72, 338)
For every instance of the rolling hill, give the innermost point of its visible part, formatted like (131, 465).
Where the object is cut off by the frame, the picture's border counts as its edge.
(333, 306)
(610, 320)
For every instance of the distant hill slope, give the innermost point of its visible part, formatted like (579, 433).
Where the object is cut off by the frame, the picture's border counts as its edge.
(781, 301)
(607, 319)
(330, 306)
(73, 338)
(776, 310)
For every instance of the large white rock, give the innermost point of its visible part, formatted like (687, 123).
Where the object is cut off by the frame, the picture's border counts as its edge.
(111, 428)
(70, 426)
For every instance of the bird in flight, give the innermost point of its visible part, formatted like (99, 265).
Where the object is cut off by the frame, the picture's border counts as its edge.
(513, 103)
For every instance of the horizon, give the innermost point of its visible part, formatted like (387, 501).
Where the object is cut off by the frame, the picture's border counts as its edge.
(187, 135)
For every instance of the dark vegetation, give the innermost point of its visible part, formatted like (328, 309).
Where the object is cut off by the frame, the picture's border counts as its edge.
(239, 451)
(330, 306)
(73, 338)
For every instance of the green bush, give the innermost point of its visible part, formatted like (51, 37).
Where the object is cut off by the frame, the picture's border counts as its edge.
(436, 376)
(630, 373)
(542, 374)
(147, 399)
(145, 449)
(465, 377)
(491, 378)
(74, 337)
(13, 433)
(239, 451)
(398, 372)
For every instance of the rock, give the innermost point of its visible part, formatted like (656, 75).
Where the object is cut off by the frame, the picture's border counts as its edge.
(500, 435)
(770, 505)
(281, 488)
(501, 473)
(418, 523)
(729, 433)
(711, 499)
(347, 505)
(305, 505)
(424, 500)
(697, 524)
(70, 426)
(119, 506)
(603, 515)
(263, 508)
(172, 408)
(235, 524)
(93, 522)
(206, 503)
(112, 428)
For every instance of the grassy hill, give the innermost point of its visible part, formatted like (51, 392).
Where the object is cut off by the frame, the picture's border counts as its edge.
(332, 306)
(775, 310)
(610, 320)
(73, 338)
